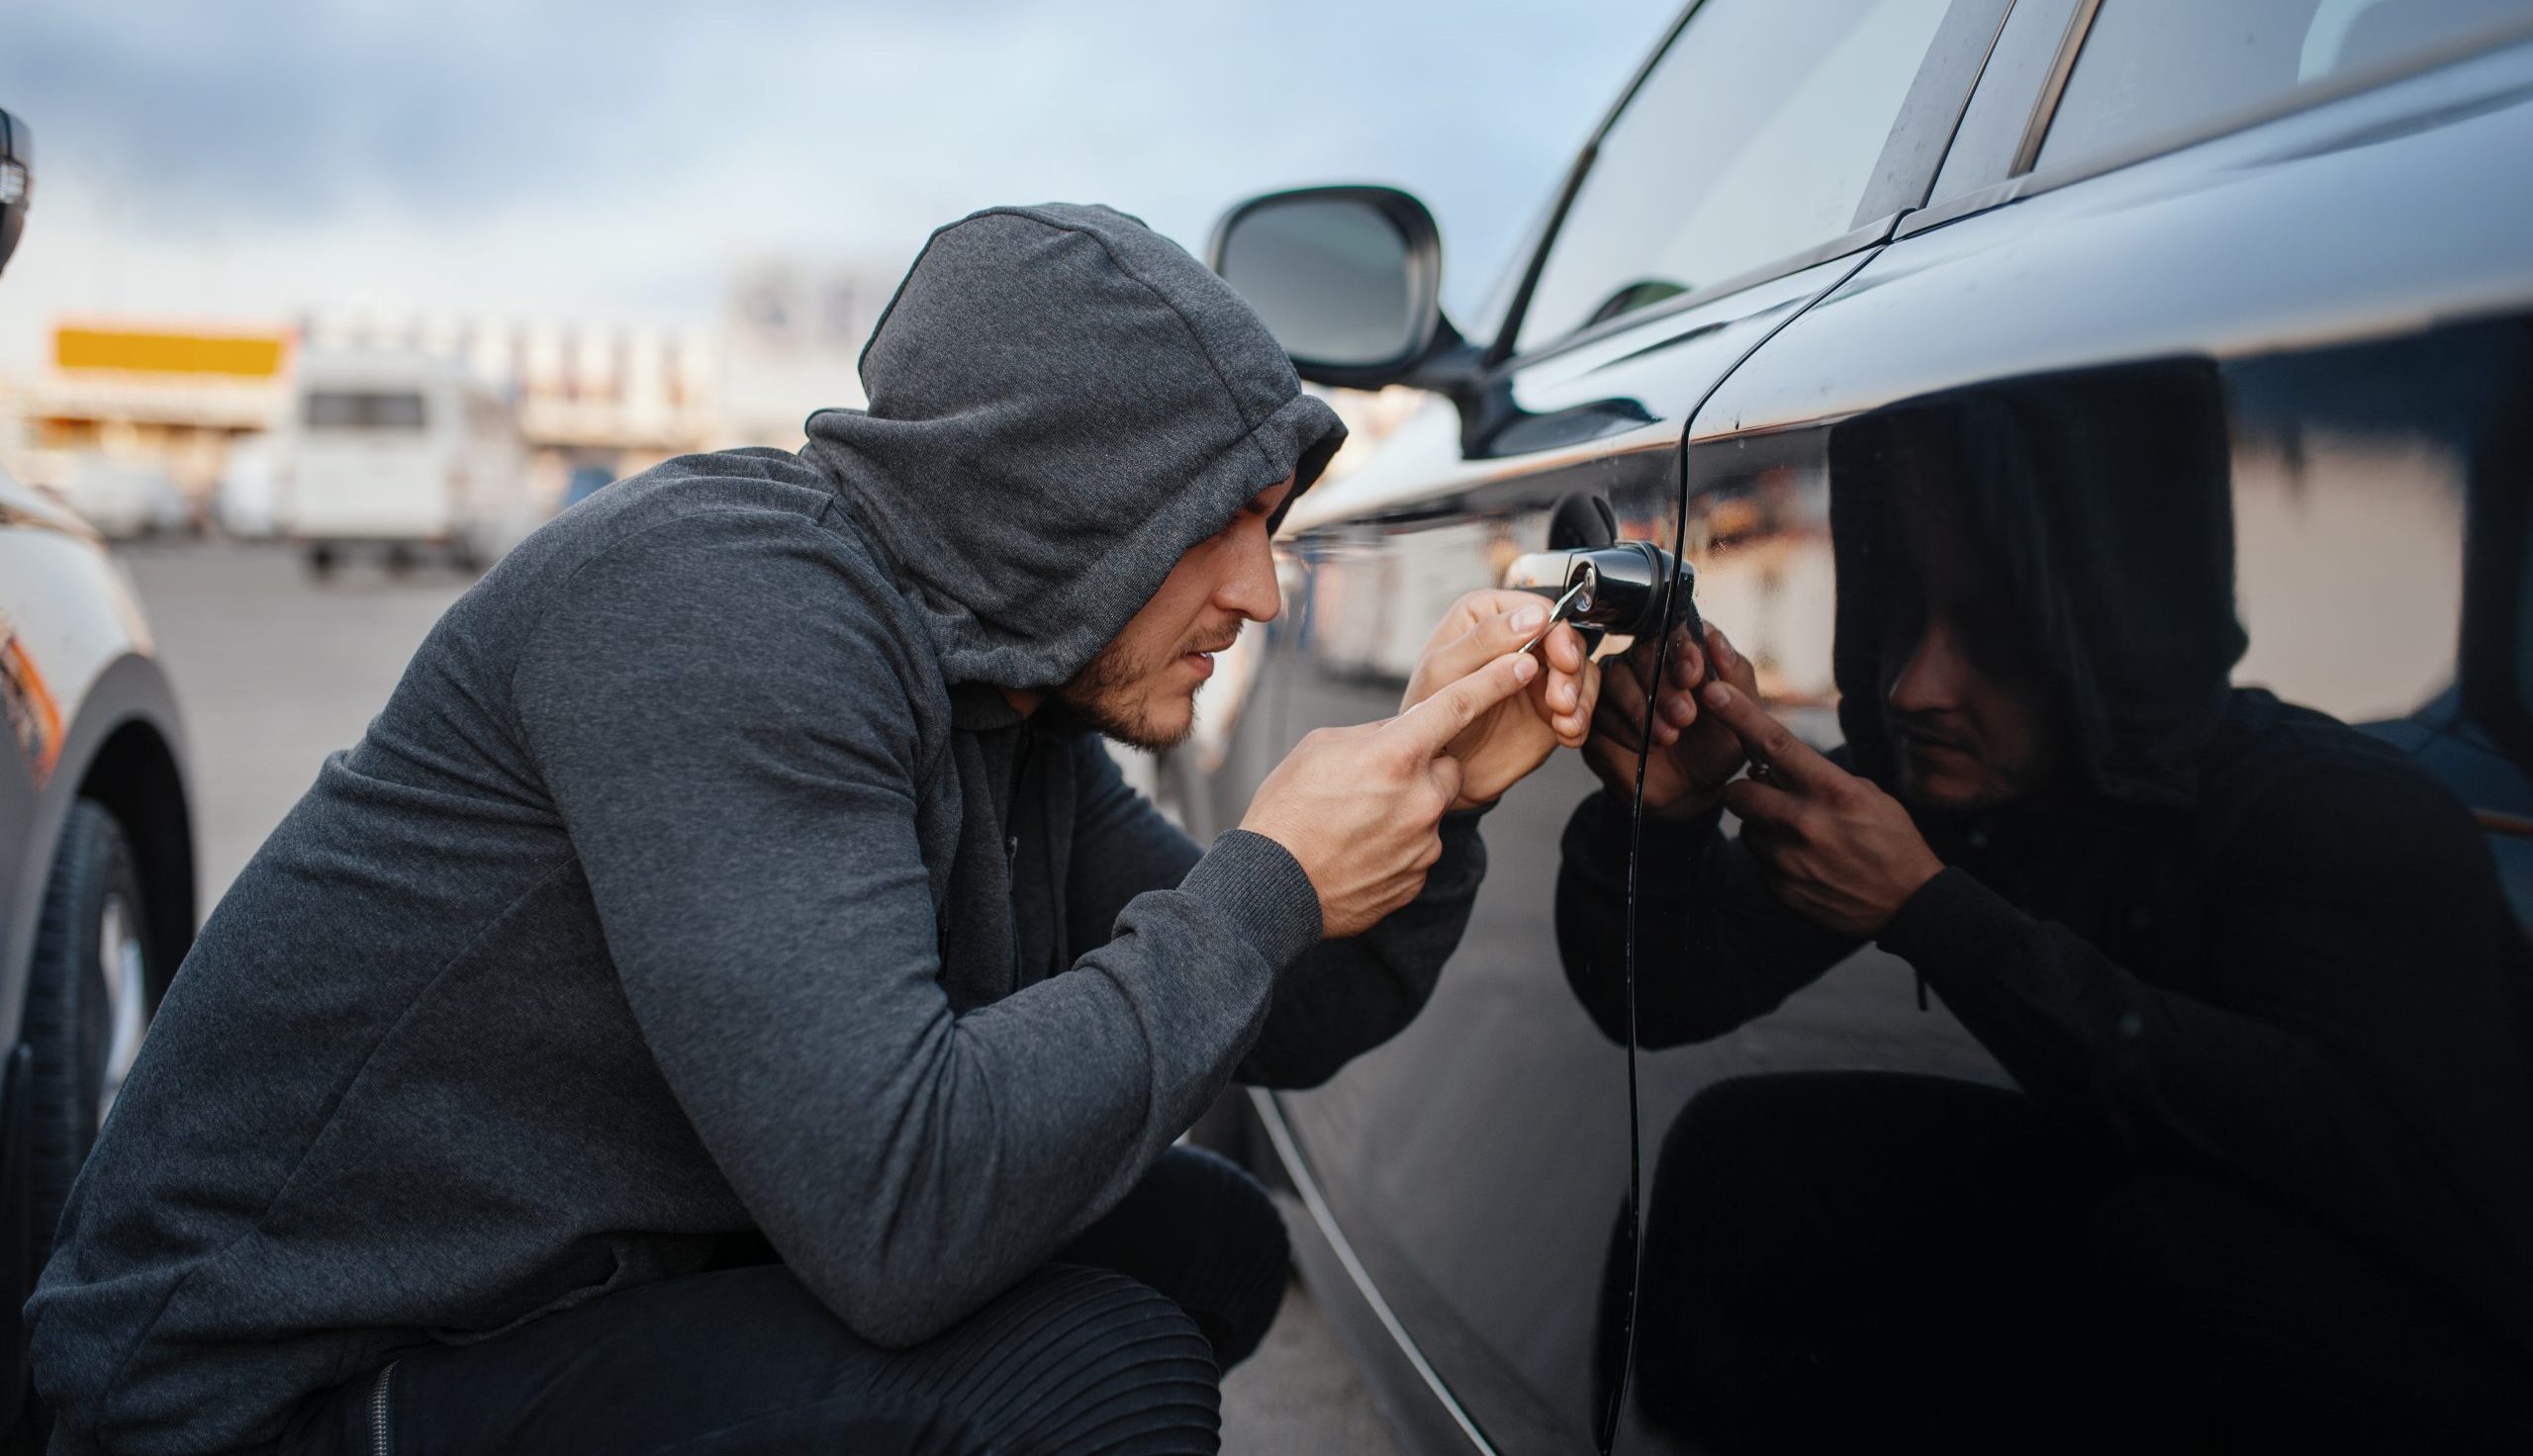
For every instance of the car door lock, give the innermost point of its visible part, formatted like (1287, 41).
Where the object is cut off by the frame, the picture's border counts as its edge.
(1624, 584)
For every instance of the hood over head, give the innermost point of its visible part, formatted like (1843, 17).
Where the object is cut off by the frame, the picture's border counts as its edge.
(1062, 403)
(2103, 500)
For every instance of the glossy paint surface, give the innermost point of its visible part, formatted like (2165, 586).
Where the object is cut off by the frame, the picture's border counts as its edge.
(2341, 295)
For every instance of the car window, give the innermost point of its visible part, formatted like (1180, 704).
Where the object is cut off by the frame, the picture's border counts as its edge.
(1753, 138)
(2153, 67)
(358, 410)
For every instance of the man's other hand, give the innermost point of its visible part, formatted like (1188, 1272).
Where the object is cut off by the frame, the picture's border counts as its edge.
(1517, 735)
(1834, 847)
(1361, 807)
(1693, 756)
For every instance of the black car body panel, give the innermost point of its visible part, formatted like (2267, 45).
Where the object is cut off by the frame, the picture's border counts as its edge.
(2351, 259)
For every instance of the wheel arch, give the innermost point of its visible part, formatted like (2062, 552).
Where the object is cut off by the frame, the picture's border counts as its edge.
(137, 778)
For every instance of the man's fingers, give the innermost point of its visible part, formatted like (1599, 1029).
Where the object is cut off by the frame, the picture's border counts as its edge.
(1729, 661)
(1621, 703)
(1772, 745)
(1431, 725)
(1573, 728)
(1447, 773)
(1760, 803)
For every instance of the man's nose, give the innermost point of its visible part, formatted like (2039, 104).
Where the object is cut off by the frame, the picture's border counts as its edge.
(1251, 588)
(1932, 680)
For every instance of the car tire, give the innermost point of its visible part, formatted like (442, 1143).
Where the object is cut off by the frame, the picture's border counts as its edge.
(89, 994)
(321, 562)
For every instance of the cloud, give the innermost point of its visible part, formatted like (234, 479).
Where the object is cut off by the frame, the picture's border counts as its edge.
(622, 156)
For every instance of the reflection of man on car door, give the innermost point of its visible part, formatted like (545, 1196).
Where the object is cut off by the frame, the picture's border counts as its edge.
(2251, 970)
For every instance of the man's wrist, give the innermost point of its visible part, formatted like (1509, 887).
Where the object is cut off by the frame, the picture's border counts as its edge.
(1258, 884)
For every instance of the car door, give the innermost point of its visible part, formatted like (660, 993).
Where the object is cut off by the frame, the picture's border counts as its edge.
(2253, 258)
(1478, 1168)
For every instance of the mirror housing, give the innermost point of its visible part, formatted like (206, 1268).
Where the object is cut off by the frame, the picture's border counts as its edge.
(16, 182)
(1348, 279)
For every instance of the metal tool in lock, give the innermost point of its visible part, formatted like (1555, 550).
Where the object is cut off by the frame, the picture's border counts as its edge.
(1619, 587)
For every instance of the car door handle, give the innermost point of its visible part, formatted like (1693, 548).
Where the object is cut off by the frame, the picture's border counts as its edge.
(1626, 585)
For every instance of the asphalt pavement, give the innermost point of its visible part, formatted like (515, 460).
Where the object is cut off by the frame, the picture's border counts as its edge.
(274, 671)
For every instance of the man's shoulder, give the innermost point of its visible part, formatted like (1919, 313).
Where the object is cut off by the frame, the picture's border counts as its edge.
(715, 558)
(2283, 771)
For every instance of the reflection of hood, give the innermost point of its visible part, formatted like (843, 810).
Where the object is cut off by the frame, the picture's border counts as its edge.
(2103, 500)
(1062, 404)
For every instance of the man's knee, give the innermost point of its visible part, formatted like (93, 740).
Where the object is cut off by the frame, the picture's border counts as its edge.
(1201, 1230)
(1072, 1359)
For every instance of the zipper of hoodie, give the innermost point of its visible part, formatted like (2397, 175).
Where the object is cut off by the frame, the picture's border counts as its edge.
(379, 1410)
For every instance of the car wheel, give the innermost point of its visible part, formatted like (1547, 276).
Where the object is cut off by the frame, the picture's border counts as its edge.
(88, 999)
(321, 562)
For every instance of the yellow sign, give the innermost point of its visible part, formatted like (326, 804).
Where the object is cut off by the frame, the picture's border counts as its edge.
(134, 351)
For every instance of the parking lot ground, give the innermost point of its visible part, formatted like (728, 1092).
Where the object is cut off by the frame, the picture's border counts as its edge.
(274, 671)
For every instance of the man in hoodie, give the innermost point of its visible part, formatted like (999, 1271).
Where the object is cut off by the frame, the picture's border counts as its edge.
(727, 1000)
(2269, 1175)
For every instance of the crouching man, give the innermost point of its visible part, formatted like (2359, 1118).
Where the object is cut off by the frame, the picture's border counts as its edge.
(728, 997)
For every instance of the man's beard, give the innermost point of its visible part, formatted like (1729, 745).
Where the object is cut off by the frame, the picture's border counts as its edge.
(1105, 696)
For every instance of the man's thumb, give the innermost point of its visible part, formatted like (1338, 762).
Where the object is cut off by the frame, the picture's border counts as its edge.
(1448, 774)
(1431, 725)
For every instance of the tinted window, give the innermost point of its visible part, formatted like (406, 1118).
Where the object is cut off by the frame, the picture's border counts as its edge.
(2153, 67)
(1753, 138)
(364, 409)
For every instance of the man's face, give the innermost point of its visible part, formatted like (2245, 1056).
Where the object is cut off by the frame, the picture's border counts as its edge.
(1142, 688)
(1971, 721)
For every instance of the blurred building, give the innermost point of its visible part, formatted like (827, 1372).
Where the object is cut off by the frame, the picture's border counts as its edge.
(792, 337)
(160, 394)
(176, 398)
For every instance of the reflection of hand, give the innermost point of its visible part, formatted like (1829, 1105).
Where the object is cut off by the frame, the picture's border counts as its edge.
(1694, 757)
(1359, 808)
(1834, 847)
(1518, 734)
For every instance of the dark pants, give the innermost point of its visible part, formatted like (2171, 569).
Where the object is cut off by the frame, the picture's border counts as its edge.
(1115, 1345)
(1843, 1261)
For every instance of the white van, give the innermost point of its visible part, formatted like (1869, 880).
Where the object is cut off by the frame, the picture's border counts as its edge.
(401, 451)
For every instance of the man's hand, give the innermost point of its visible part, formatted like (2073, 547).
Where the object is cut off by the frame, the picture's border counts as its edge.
(1358, 807)
(1517, 735)
(1834, 847)
(1694, 755)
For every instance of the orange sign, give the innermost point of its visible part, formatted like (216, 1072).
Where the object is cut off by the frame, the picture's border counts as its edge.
(136, 352)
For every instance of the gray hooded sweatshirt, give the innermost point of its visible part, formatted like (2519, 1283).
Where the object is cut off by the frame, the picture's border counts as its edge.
(696, 881)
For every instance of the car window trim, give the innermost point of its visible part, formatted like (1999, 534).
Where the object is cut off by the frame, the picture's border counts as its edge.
(2054, 87)
(2013, 188)
(1854, 239)
(1864, 233)
(1928, 116)
(1501, 348)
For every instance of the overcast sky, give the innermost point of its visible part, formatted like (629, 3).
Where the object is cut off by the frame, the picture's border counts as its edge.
(619, 158)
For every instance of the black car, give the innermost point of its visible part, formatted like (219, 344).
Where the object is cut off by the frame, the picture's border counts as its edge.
(96, 848)
(2265, 271)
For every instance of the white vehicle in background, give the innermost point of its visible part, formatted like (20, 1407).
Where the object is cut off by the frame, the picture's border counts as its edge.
(249, 489)
(125, 499)
(400, 452)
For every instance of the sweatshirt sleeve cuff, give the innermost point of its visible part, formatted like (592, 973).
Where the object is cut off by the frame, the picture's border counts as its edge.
(1259, 887)
(1951, 920)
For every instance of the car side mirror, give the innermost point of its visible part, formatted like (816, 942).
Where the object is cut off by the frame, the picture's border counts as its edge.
(1349, 280)
(16, 182)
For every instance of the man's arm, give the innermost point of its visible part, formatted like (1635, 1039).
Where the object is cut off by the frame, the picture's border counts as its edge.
(1342, 997)
(724, 739)
(2358, 1056)
(1712, 948)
